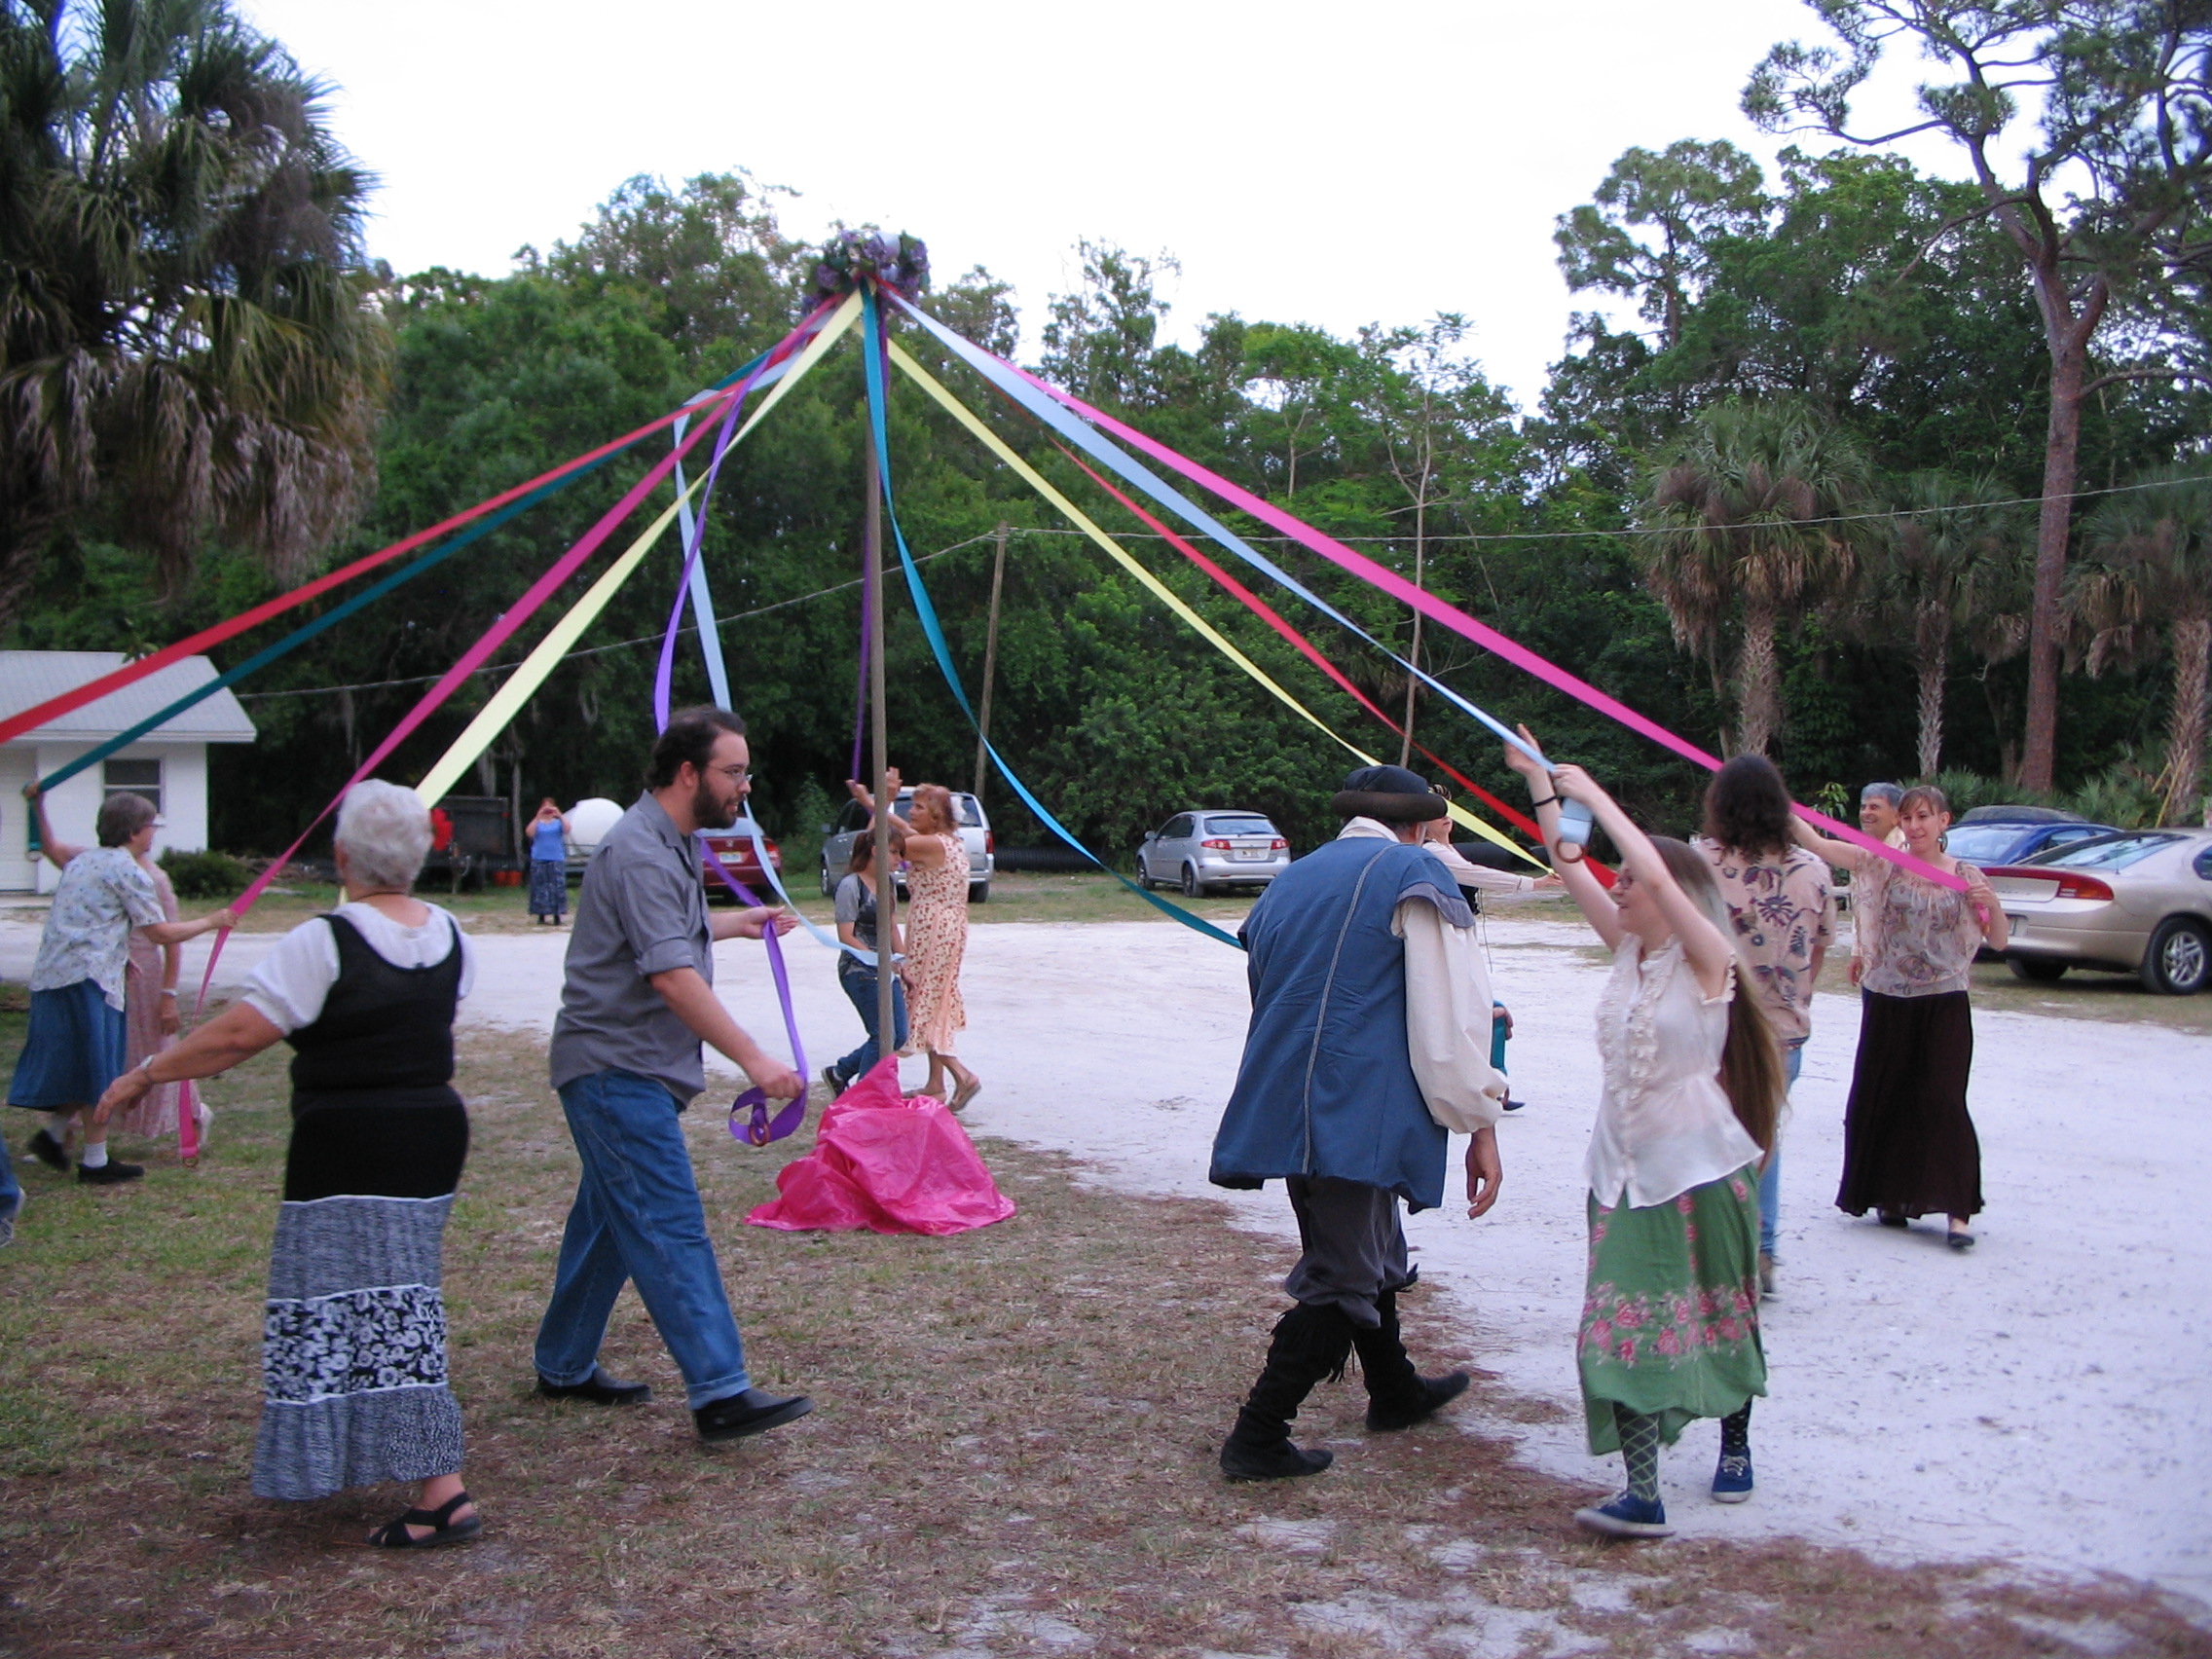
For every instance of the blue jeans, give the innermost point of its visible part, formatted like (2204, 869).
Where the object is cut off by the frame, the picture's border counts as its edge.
(859, 983)
(10, 1193)
(1770, 1178)
(638, 1216)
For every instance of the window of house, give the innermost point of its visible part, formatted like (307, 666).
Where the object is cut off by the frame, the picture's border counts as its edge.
(137, 777)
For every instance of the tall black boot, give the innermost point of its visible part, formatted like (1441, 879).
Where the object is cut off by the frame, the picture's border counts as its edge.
(1397, 1395)
(1310, 1343)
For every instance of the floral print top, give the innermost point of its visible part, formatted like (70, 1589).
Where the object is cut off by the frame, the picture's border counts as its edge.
(1918, 939)
(103, 893)
(1784, 910)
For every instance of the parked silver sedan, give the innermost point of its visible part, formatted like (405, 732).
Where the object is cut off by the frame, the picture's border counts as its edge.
(2138, 901)
(1202, 851)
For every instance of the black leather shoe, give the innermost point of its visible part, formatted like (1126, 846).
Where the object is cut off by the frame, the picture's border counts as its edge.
(599, 1388)
(749, 1412)
(48, 1151)
(1244, 1461)
(113, 1173)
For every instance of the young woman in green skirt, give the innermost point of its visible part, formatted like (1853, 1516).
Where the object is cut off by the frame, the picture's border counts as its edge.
(1692, 1078)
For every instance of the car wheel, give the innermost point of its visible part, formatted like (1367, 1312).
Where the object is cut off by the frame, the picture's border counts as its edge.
(1193, 887)
(2179, 962)
(828, 887)
(2035, 969)
(978, 893)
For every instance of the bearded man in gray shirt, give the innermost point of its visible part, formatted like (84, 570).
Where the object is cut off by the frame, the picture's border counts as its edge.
(638, 1002)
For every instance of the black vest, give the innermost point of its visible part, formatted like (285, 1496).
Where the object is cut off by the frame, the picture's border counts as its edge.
(383, 1029)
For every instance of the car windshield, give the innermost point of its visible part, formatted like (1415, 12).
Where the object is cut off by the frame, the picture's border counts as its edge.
(1238, 824)
(965, 812)
(2115, 854)
(1982, 843)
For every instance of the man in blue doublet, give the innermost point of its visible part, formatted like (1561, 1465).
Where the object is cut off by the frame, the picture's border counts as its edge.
(1370, 1042)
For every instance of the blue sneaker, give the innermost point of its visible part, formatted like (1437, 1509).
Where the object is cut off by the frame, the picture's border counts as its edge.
(1732, 1480)
(1627, 1517)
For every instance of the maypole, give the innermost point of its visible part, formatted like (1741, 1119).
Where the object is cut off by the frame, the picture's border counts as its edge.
(886, 888)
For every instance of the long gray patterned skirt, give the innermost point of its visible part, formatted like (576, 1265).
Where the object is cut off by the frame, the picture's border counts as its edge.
(353, 1340)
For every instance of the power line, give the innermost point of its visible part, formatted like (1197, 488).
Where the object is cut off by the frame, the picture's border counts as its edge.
(600, 651)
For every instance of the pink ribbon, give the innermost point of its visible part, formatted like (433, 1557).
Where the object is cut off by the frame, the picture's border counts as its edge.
(1456, 619)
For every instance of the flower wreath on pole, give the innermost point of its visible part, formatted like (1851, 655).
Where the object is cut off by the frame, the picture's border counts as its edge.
(899, 264)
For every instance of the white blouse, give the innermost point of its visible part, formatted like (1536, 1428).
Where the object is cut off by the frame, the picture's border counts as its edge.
(1665, 1124)
(289, 986)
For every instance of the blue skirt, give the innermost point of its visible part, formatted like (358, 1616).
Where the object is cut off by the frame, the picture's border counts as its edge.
(74, 1049)
(548, 887)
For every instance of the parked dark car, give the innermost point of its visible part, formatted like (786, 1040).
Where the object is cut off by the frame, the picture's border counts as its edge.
(2009, 834)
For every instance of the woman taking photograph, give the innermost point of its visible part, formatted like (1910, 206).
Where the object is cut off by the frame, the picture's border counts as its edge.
(353, 1344)
(1909, 1146)
(549, 865)
(1670, 1322)
(928, 838)
(857, 929)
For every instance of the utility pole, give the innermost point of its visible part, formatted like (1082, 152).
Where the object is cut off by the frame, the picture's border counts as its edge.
(1413, 654)
(990, 659)
(886, 887)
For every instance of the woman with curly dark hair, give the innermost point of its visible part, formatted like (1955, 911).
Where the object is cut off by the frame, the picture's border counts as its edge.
(1782, 905)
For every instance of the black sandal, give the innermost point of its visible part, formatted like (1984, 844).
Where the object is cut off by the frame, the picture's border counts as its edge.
(394, 1535)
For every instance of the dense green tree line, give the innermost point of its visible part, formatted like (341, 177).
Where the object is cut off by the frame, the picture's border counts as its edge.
(1791, 508)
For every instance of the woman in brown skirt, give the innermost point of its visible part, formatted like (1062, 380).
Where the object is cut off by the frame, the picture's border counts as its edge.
(1908, 1143)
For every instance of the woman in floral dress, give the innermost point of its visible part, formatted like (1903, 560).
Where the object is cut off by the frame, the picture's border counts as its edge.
(1692, 1078)
(937, 929)
(1909, 1146)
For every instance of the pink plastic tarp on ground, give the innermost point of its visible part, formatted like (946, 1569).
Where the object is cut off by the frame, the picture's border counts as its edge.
(885, 1163)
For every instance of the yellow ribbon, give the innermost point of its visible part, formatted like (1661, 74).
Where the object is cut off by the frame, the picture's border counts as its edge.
(1076, 516)
(508, 702)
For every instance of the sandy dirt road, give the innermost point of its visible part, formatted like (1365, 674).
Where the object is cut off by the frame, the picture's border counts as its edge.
(2046, 1401)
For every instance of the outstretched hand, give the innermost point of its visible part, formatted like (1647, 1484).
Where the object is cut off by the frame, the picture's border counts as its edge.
(756, 922)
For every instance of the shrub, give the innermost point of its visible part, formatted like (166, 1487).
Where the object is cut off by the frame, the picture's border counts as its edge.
(204, 875)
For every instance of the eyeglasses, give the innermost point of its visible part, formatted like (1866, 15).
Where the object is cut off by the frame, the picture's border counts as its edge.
(735, 774)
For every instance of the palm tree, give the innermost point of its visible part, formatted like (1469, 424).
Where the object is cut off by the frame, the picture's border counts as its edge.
(1951, 562)
(2151, 572)
(186, 344)
(1747, 497)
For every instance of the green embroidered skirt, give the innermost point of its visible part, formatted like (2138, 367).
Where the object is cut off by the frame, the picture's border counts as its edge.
(1670, 1324)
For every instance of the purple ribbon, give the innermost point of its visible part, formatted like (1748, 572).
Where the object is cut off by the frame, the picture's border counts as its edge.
(760, 1130)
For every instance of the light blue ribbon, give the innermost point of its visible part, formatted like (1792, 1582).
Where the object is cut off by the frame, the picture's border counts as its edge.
(872, 348)
(1081, 433)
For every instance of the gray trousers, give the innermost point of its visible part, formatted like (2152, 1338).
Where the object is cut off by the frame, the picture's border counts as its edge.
(1354, 1243)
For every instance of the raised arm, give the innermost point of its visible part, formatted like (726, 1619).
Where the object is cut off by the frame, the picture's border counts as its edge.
(1582, 884)
(892, 783)
(56, 853)
(1709, 950)
(1843, 855)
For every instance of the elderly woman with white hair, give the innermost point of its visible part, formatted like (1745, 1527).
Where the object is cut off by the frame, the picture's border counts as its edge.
(353, 1343)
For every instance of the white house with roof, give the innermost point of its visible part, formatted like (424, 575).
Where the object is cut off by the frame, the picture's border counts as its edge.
(168, 765)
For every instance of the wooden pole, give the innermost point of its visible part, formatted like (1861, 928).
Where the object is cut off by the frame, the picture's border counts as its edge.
(886, 888)
(990, 660)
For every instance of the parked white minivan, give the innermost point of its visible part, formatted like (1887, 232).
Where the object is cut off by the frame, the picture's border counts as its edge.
(975, 833)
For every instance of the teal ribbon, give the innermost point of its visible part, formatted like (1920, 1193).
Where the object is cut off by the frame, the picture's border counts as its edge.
(872, 348)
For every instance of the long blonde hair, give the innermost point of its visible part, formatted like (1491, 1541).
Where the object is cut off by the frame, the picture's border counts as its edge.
(1750, 1060)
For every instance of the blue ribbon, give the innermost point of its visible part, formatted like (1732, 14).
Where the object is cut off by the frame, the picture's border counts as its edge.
(871, 346)
(1081, 433)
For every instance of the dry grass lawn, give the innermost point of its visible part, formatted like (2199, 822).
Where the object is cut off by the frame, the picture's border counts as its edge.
(1012, 1455)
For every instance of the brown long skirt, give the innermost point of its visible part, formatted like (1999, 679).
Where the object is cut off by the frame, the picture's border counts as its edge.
(1908, 1144)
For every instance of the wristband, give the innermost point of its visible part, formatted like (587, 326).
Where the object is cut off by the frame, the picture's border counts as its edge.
(1548, 801)
(168, 992)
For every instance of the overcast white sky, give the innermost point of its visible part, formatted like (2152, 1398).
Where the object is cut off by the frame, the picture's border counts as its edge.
(1325, 164)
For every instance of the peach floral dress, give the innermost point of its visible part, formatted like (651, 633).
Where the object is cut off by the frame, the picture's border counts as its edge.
(936, 938)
